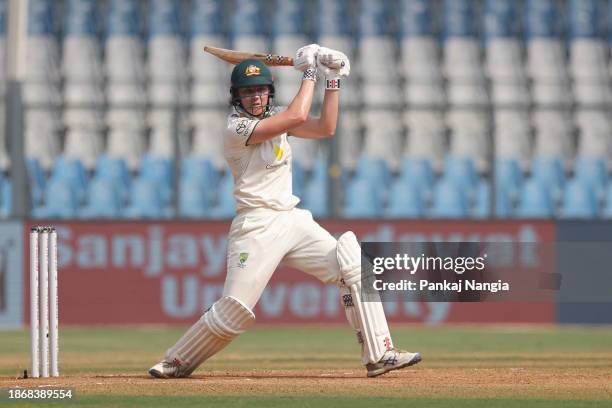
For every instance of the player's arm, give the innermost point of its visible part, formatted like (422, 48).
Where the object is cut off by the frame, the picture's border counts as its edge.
(334, 65)
(297, 112)
(323, 126)
(295, 115)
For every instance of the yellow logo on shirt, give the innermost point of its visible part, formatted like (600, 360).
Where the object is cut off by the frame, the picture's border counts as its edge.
(278, 152)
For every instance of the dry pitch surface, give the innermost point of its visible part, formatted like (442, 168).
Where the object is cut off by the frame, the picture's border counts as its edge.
(318, 367)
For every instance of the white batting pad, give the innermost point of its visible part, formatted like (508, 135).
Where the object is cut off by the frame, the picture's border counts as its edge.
(226, 319)
(368, 316)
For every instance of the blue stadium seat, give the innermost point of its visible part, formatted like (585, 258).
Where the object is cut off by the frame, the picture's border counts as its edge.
(201, 169)
(193, 199)
(405, 200)
(361, 200)
(60, 200)
(549, 172)
(503, 202)
(226, 205)
(460, 19)
(417, 19)
(36, 176)
(543, 18)
(482, 203)
(535, 201)
(462, 172)
(508, 176)
(315, 198)
(146, 200)
(6, 198)
(579, 201)
(103, 200)
(114, 170)
(420, 173)
(297, 182)
(161, 172)
(593, 173)
(73, 172)
(375, 172)
(501, 19)
(331, 18)
(449, 201)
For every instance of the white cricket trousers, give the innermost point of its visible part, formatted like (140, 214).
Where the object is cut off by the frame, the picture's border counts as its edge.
(261, 238)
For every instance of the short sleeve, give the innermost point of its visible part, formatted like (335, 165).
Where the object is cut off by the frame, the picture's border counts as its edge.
(239, 129)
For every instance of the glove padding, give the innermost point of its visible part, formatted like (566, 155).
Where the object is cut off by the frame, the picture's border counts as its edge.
(333, 63)
(306, 57)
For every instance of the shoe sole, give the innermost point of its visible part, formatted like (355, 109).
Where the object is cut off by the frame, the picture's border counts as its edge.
(414, 360)
(157, 374)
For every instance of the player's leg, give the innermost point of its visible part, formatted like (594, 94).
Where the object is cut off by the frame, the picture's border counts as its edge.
(251, 262)
(318, 253)
(227, 318)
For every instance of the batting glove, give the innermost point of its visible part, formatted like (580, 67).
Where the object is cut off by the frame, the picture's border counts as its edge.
(306, 57)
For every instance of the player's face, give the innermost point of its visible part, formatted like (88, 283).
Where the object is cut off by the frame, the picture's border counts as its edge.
(254, 98)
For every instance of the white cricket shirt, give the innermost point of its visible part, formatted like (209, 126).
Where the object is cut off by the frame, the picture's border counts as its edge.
(262, 171)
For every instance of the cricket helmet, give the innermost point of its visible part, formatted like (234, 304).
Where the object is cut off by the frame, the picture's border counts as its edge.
(251, 72)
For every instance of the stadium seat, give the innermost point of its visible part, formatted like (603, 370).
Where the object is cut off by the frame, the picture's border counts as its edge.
(166, 63)
(193, 198)
(405, 200)
(508, 177)
(462, 172)
(146, 200)
(549, 172)
(512, 133)
(226, 205)
(206, 28)
(72, 172)
(482, 202)
(84, 145)
(449, 201)
(594, 128)
(579, 201)
(161, 172)
(60, 201)
(535, 201)
(200, 169)
(127, 145)
(553, 133)
(382, 136)
(37, 180)
(124, 50)
(81, 57)
(115, 171)
(103, 200)
(418, 172)
(587, 45)
(426, 135)
(6, 198)
(592, 173)
(361, 200)
(504, 207)
(469, 135)
(315, 198)
(375, 172)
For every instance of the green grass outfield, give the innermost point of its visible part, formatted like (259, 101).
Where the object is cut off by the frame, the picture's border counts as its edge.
(501, 366)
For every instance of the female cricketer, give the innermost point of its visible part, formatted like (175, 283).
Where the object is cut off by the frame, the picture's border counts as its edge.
(268, 228)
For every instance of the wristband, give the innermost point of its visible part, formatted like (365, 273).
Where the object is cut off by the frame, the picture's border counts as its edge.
(332, 83)
(310, 74)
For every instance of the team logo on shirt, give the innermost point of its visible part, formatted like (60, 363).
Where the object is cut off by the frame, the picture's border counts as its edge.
(241, 127)
(242, 258)
(252, 70)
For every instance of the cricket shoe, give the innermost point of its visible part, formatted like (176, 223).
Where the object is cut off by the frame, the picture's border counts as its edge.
(167, 369)
(392, 360)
